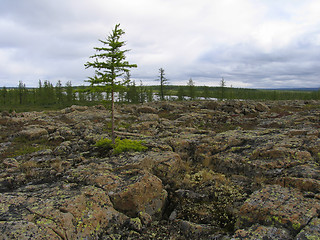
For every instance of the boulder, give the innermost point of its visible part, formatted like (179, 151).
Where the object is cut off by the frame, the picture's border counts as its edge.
(311, 231)
(303, 184)
(165, 165)
(277, 206)
(10, 163)
(261, 107)
(146, 109)
(145, 194)
(34, 132)
(262, 232)
(56, 212)
(63, 149)
(194, 230)
(149, 117)
(22, 229)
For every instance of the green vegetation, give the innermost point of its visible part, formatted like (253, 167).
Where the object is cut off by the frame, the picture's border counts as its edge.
(45, 96)
(223, 92)
(163, 82)
(49, 97)
(191, 88)
(22, 145)
(109, 64)
(120, 145)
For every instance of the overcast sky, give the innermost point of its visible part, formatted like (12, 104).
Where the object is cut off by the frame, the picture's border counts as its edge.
(250, 43)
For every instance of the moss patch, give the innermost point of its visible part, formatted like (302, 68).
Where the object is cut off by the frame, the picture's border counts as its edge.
(120, 146)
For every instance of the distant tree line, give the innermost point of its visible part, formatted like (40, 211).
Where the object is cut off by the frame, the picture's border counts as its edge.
(50, 96)
(192, 92)
(44, 95)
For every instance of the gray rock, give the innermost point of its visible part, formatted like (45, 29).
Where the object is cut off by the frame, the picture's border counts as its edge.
(281, 207)
(311, 231)
(190, 229)
(258, 232)
(34, 132)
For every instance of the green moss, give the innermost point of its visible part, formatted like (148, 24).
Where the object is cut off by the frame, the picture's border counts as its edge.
(121, 145)
(105, 144)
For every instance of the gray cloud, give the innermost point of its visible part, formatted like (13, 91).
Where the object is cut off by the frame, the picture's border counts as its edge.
(249, 43)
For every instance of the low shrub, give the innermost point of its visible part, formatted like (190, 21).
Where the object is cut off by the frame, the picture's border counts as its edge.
(120, 146)
(104, 144)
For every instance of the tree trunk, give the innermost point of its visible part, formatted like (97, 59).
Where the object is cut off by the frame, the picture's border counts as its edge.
(112, 117)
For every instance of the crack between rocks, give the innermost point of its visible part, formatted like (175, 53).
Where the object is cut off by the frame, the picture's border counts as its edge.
(42, 216)
(305, 225)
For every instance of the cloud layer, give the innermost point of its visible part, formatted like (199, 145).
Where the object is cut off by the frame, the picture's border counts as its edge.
(260, 44)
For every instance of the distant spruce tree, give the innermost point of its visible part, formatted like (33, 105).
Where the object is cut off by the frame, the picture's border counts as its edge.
(206, 92)
(22, 92)
(109, 64)
(132, 93)
(150, 95)
(181, 93)
(59, 93)
(163, 81)
(191, 89)
(69, 91)
(4, 94)
(222, 88)
(142, 93)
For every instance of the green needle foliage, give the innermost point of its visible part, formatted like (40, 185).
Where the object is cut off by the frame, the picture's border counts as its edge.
(109, 64)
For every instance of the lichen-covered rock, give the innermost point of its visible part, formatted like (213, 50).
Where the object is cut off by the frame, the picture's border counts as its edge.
(145, 194)
(146, 109)
(311, 170)
(255, 153)
(278, 206)
(166, 165)
(303, 184)
(207, 198)
(134, 224)
(59, 212)
(258, 232)
(34, 132)
(262, 107)
(197, 180)
(10, 163)
(194, 230)
(311, 231)
(148, 117)
(21, 229)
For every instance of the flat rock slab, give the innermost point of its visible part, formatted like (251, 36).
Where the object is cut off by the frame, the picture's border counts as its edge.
(144, 194)
(262, 232)
(277, 206)
(311, 231)
(32, 133)
(56, 212)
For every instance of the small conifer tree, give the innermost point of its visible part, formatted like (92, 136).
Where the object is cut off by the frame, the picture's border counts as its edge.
(163, 82)
(191, 88)
(109, 64)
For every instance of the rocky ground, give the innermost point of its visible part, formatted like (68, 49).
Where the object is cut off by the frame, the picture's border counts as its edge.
(213, 170)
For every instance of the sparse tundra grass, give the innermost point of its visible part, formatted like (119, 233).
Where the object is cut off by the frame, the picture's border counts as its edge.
(22, 145)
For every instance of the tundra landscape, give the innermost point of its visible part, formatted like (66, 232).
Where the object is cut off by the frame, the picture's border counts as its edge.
(112, 160)
(188, 170)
